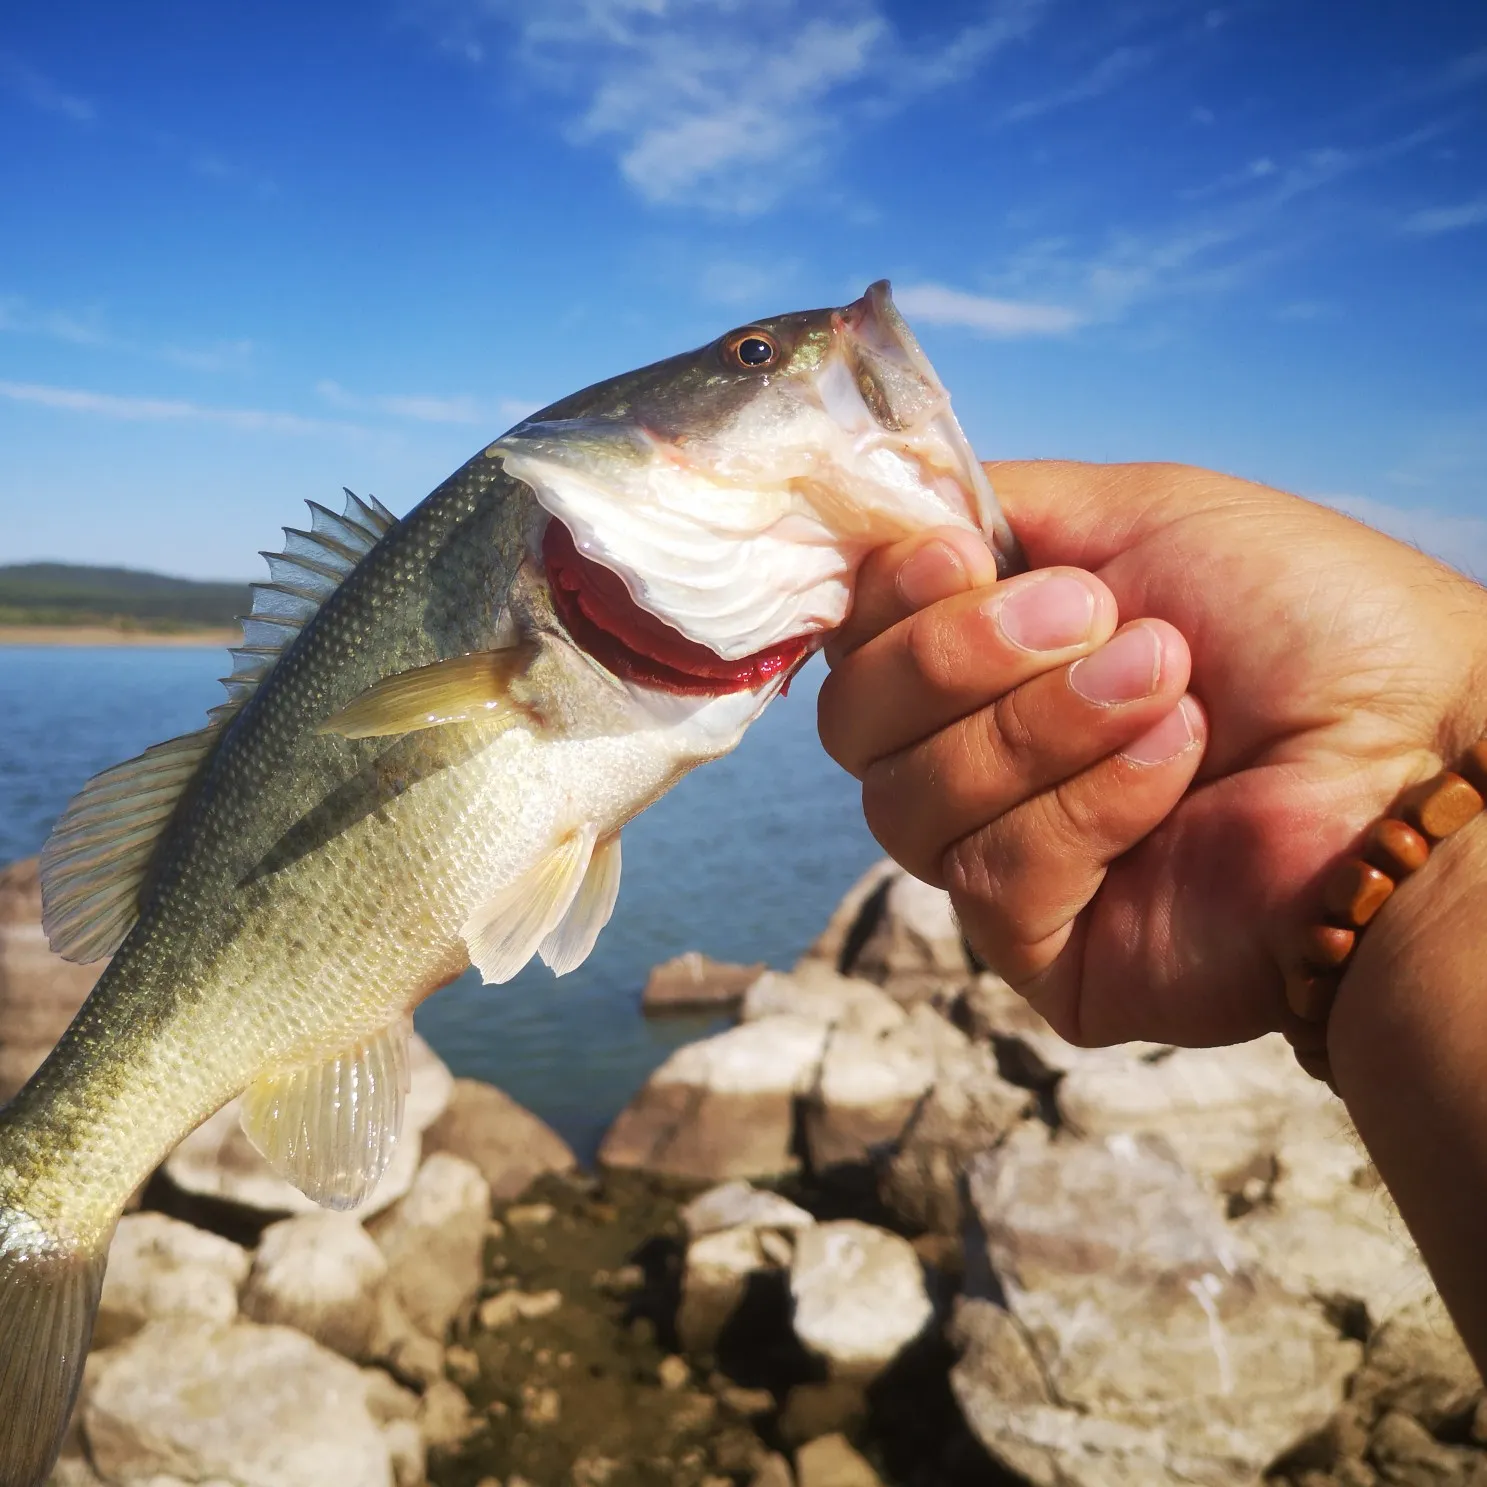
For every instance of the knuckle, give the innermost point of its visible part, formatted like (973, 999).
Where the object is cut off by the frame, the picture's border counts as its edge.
(929, 652)
(1015, 724)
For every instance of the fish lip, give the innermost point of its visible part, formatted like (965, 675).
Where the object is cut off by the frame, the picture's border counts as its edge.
(870, 328)
(593, 603)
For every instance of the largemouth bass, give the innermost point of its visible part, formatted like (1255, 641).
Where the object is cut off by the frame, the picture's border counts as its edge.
(436, 729)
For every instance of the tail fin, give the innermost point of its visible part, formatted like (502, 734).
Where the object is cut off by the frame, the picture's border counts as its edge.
(48, 1299)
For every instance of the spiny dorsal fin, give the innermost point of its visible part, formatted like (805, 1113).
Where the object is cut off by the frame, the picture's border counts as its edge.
(330, 1128)
(503, 933)
(566, 947)
(99, 852)
(311, 567)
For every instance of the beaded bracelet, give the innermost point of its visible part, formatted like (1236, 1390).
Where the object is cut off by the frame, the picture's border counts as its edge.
(1393, 848)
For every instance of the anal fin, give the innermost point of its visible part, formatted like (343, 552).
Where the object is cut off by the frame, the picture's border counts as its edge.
(504, 933)
(462, 689)
(567, 946)
(330, 1128)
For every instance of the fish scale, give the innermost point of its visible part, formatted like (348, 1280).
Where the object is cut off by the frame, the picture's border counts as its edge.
(420, 766)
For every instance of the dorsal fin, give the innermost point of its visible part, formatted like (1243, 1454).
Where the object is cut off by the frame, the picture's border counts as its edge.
(301, 578)
(99, 853)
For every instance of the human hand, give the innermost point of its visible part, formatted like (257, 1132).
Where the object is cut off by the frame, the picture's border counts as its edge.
(1312, 667)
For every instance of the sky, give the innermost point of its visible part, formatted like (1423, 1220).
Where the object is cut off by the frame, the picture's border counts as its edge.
(252, 254)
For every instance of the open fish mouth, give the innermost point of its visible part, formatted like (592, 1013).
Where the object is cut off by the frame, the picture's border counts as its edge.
(603, 619)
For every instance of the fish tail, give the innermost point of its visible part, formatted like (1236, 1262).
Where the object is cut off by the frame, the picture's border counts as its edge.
(49, 1289)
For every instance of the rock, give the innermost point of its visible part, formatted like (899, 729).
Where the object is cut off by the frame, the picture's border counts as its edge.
(915, 950)
(256, 1406)
(39, 992)
(714, 1280)
(837, 945)
(511, 1146)
(831, 1462)
(969, 1109)
(817, 1409)
(1219, 1108)
(405, 1447)
(693, 980)
(217, 1161)
(434, 1242)
(530, 1215)
(318, 1273)
(721, 1108)
(462, 1365)
(867, 1089)
(773, 1471)
(859, 1297)
(1416, 1363)
(160, 1269)
(673, 1373)
(813, 991)
(1407, 1455)
(386, 1399)
(1140, 1341)
(740, 1205)
(413, 1357)
(506, 1307)
(445, 1419)
(540, 1405)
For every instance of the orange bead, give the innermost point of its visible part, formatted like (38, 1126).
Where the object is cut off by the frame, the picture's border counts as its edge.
(1395, 848)
(1326, 945)
(1354, 892)
(1440, 806)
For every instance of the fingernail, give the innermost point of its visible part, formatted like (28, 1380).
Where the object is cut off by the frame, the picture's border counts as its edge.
(1174, 735)
(1048, 615)
(1122, 670)
(931, 573)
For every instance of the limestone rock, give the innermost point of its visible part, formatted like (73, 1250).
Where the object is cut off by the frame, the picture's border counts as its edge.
(773, 1471)
(715, 1279)
(831, 1462)
(218, 1161)
(255, 1406)
(1417, 1364)
(837, 945)
(692, 980)
(867, 1089)
(740, 1205)
(161, 1269)
(39, 992)
(434, 1242)
(511, 1146)
(318, 1273)
(814, 991)
(723, 1107)
(1219, 1108)
(1172, 1356)
(445, 1418)
(859, 1297)
(969, 1110)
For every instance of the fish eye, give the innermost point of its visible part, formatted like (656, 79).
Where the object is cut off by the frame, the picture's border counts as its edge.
(751, 349)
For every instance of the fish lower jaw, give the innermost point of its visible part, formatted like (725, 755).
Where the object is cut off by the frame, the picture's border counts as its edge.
(636, 646)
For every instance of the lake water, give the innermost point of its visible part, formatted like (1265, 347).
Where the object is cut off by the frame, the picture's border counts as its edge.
(744, 860)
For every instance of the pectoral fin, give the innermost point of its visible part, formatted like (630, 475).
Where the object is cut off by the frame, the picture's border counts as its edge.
(330, 1128)
(566, 947)
(505, 932)
(463, 689)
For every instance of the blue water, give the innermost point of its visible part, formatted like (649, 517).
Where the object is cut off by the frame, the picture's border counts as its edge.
(744, 860)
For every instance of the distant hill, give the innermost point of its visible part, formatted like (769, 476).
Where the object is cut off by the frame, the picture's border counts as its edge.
(70, 594)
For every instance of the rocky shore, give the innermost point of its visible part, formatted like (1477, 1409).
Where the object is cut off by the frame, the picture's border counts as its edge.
(887, 1229)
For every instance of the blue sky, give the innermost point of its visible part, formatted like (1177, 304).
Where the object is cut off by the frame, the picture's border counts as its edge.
(250, 254)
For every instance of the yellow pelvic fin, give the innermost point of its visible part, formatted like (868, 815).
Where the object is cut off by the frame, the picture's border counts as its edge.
(463, 689)
(566, 947)
(505, 932)
(330, 1128)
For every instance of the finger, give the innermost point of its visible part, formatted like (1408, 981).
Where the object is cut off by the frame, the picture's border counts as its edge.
(896, 580)
(1020, 882)
(956, 657)
(941, 789)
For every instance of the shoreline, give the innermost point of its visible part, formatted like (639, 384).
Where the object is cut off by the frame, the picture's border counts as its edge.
(107, 635)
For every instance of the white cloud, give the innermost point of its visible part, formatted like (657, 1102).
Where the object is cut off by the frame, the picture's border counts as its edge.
(1109, 72)
(424, 409)
(33, 87)
(719, 103)
(1458, 540)
(935, 304)
(1436, 220)
(17, 317)
(166, 410)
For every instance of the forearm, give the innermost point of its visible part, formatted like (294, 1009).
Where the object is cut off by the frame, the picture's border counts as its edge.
(1408, 1047)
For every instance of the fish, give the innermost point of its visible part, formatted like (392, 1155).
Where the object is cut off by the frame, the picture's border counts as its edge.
(436, 729)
